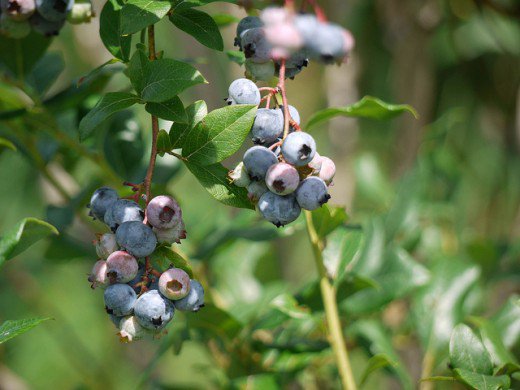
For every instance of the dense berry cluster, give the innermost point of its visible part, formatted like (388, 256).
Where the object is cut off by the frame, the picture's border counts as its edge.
(47, 17)
(283, 174)
(138, 298)
(279, 34)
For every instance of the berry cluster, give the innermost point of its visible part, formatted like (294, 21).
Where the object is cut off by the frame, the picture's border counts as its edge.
(279, 34)
(283, 173)
(47, 17)
(138, 298)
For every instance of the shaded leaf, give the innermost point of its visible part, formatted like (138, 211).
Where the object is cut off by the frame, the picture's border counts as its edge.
(163, 257)
(375, 363)
(95, 72)
(468, 352)
(286, 304)
(236, 56)
(327, 218)
(110, 30)
(223, 20)
(211, 321)
(480, 381)
(22, 236)
(7, 144)
(107, 106)
(185, 4)
(194, 112)
(200, 26)
(171, 110)
(493, 342)
(45, 72)
(219, 135)
(13, 328)
(139, 14)
(367, 107)
(20, 55)
(163, 143)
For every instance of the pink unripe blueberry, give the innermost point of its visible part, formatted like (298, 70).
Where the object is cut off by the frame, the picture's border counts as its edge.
(98, 275)
(328, 170)
(106, 245)
(274, 15)
(174, 283)
(163, 212)
(169, 236)
(282, 178)
(315, 164)
(122, 267)
(284, 39)
(130, 330)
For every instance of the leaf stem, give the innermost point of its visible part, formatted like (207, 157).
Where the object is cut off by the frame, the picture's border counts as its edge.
(328, 294)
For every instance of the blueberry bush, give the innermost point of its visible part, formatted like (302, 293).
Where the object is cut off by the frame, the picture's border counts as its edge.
(260, 194)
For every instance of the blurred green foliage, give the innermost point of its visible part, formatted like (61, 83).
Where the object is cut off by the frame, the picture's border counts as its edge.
(433, 204)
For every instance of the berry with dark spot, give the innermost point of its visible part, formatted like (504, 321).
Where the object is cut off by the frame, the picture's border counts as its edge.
(282, 179)
(153, 311)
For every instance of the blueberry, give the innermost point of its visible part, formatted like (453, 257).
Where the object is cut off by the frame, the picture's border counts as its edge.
(17, 9)
(121, 211)
(255, 190)
(308, 26)
(298, 59)
(120, 299)
(293, 112)
(194, 301)
(137, 238)
(106, 244)
(267, 127)
(153, 311)
(324, 41)
(299, 148)
(327, 170)
(239, 176)
(130, 329)
(12, 28)
(98, 275)
(312, 193)
(45, 27)
(54, 10)
(316, 163)
(257, 161)
(116, 320)
(121, 267)
(260, 72)
(134, 283)
(163, 212)
(243, 91)
(174, 283)
(245, 24)
(169, 236)
(101, 200)
(282, 179)
(280, 210)
(255, 45)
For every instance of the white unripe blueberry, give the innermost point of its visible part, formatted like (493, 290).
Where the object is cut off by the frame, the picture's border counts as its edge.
(170, 236)
(239, 176)
(98, 275)
(316, 163)
(106, 245)
(174, 283)
(130, 329)
(282, 178)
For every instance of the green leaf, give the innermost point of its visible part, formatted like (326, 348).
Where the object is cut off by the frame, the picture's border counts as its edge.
(22, 236)
(164, 256)
(20, 55)
(45, 72)
(13, 328)
(255, 382)
(223, 20)
(327, 218)
(211, 321)
(171, 110)
(107, 106)
(378, 342)
(94, 73)
(161, 80)
(214, 179)
(286, 304)
(7, 144)
(367, 107)
(507, 321)
(139, 14)
(375, 363)
(195, 113)
(468, 352)
(200, 26)
(493, 342)
(236, 56)
(185, 4)
(443, 297)
(482, 382)
(110, 30)
(219, 135)
(163, 143)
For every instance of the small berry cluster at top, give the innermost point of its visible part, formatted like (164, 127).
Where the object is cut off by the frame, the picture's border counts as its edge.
(47, 17)
(280, 34)
(138, 298)
(282, 173)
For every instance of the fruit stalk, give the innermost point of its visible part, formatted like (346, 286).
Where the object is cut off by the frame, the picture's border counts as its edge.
(155, 123)
(328, 294)
(281, 87)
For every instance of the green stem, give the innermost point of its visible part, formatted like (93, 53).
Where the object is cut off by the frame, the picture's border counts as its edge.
(328, 293)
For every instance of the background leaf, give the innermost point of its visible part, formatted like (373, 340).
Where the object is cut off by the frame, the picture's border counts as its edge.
(110, 30)
(468, 352)
(139, 14)
(171, 110)
(200, 26)
(13, 328)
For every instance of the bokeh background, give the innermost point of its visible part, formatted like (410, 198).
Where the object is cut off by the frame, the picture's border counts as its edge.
(444, 187)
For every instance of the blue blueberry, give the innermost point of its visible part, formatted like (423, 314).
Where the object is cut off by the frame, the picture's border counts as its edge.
(245, 24)
(153, 311)
(243, 91)
(54, 10)
(101, 200)
(123, 210)
(280, 210)
(255, 45)
(120, 299)
(136, 238)
(267, 127)
(257, 161)
(312, 193)
(194, 300)
(299, 148)
(255, 190)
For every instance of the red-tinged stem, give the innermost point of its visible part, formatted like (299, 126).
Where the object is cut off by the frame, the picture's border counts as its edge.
(268, 101)
(295, 125)
(273, 146)
(318, 11)
(281, 87)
